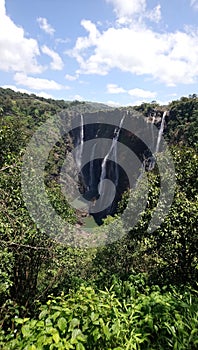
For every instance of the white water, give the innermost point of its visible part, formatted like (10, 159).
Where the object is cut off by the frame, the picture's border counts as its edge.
(113, 149)
(152, 129)
(91, 173)
(151, 164)
(160, 132)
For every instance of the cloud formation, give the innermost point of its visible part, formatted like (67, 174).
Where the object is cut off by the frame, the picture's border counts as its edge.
(128, 11)
(71, 77)
(37, 83)
(194, 4)
(45, 26)
(126, 8)
(140, 93)
(57, 63)
(136, 93)
(17, 52)
(25, 91)
(115, 89)
(167, 57)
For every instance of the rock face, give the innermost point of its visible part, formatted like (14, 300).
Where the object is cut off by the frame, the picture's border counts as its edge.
(110, 150)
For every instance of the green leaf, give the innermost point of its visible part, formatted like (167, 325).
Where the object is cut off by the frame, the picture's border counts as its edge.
(48, 322)
(26, 331)
(32, 347)
(56, 337)
(43, 314)
(94, 316)
(76, 333)
(55, 315)
(19, 320)
(74, 323)
(62, 323)
(80, 346)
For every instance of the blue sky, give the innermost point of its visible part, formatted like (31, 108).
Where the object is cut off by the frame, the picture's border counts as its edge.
(121, 52)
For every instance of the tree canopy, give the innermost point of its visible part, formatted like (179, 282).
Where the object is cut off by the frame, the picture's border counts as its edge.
(139, 292)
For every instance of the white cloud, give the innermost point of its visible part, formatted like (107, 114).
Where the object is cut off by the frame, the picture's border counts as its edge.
(44, 94)
(126, 8)
(71, 77)
(62, 41)
(155, 14)
(37, 83)
(128, 11)
(164, 102)
(17, 53)
(78, 98)
(141, 93)
(85, 42)
(25, 91)
(16, 89)
(45, 26)
(57, 63)
(167, 57)
(194, 4)
(114, 89)
(137, 93)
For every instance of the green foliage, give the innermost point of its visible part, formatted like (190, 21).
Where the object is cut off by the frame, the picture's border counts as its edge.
(134, 313)
(121, 318)
(6, 266)
(32, 264)
(182, 127)
(29, 105)
(185, 162)
(169, 254)
(147, 108)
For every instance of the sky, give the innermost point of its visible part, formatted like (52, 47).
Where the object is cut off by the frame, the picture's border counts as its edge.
(119, 52)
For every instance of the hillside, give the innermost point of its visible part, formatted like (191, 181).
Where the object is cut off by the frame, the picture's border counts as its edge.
(16, 102)
(132, 288)
(182, 127)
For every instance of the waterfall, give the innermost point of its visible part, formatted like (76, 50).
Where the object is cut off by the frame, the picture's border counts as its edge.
(152, 126)
(148, 163)
(115, 157)
(113, 149)
(80, 144)
(91, 172)
(160, 132)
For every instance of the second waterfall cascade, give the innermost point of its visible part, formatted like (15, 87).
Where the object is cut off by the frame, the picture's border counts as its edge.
(112, 149)
(160, 132)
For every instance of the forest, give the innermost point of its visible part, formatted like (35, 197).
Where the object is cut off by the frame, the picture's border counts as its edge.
(137, 292)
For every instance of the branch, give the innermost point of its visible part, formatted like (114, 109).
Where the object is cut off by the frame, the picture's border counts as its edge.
(24, 245)
(7, 167)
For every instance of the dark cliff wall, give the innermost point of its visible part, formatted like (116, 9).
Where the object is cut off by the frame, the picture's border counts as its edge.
(137, 136)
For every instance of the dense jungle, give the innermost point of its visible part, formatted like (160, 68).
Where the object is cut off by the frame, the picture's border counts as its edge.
(136, 292)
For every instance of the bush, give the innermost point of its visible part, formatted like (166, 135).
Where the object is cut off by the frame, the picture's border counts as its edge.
(87, 319)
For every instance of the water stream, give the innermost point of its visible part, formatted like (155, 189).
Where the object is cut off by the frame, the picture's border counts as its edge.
(160, 132)
(113, 150)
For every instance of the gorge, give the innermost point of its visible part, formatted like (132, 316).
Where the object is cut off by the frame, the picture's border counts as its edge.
(103, 177)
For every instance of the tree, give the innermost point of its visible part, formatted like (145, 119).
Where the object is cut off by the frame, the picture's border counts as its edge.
(169, 254)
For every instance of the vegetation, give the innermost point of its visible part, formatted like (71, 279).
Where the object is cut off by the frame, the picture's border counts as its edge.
(139, 292)
(120, 318)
